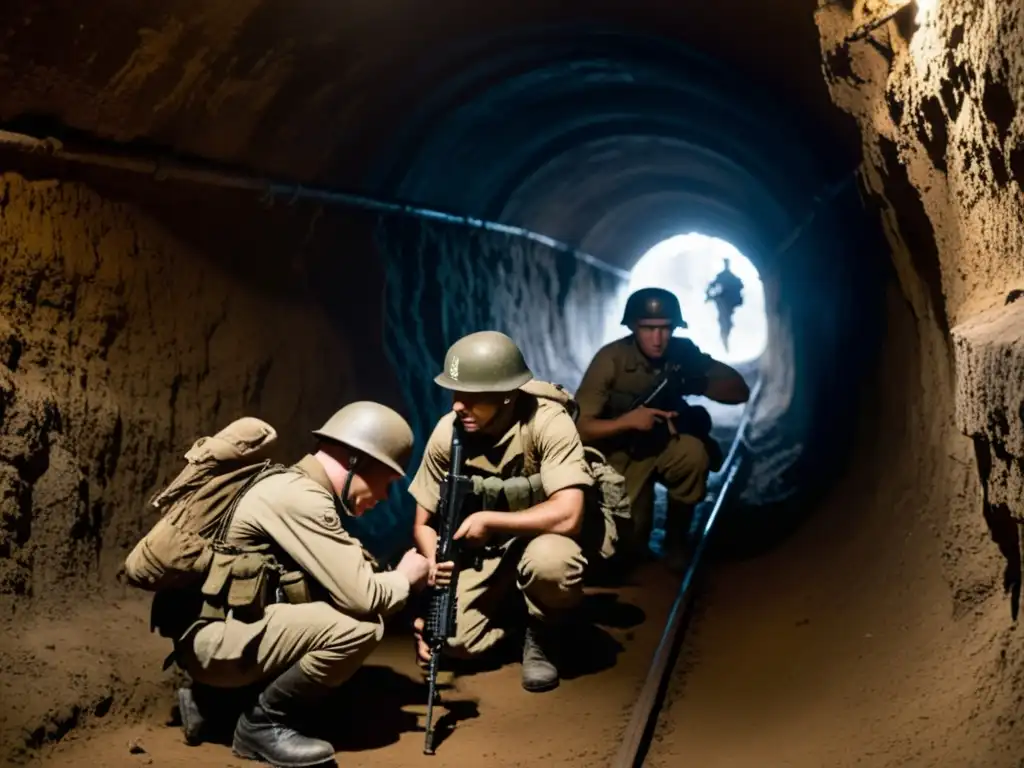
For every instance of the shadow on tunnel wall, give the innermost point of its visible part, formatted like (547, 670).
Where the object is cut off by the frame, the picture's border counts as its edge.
(832, 305)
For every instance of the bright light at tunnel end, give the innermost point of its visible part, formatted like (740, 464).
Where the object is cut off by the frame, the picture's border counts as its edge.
(686, 264)
(925, 10)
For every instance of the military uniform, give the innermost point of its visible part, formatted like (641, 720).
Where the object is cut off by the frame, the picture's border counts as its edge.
(298, 650)
(617, 376)
(547, 569)
(300, 515)
(539, 445)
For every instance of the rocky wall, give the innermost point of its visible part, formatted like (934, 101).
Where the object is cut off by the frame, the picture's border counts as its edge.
(937, 95)
(122, 340)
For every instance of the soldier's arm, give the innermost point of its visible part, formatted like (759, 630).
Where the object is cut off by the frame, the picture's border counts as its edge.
(563, 474)
(592, 397)
(304, 522)
(703, 375)
(426, 487)
(725, 384)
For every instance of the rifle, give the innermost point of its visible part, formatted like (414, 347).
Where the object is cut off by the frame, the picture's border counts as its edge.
(440, 624)
(692, 419)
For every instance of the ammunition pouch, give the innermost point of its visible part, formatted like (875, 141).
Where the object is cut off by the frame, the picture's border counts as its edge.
(514, 494)
(241, 584)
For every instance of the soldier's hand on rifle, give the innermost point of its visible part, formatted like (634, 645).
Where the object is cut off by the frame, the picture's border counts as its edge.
(422, 649)
(643, 419)
(415, 567)
(474, 529)
(441, 573)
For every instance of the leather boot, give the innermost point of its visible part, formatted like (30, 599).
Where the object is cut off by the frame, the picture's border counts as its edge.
(676, 545)
(539, 671)
(264, 731)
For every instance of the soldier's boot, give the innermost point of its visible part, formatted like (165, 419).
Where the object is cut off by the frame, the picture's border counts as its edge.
(539, 670)
(193, 724)
(676, 546)
(265, 732)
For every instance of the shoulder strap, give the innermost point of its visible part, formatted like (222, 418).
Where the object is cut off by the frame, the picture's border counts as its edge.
(268, 469)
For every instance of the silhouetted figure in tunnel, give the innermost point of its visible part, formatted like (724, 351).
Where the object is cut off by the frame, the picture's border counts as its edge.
(632, 408)
(726, 290)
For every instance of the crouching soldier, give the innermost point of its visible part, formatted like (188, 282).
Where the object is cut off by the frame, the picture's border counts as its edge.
(530, 554)
(283, 534)
(632, 408)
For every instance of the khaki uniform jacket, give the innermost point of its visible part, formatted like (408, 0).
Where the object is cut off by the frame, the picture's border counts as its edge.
(299, 513)
(620, 373)
(556, 452)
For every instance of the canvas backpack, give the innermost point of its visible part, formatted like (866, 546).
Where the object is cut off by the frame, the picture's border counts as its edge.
(196, 508)
(610, 486)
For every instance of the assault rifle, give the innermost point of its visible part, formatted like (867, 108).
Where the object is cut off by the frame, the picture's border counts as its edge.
(665, 394)
(440, 622)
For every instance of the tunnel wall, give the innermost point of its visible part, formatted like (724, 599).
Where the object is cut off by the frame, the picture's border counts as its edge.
(938, 105)
(120, 344)
(444, 281)
(137, 316)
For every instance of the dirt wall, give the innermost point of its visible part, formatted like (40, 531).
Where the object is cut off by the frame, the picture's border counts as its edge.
(936, 95)
(121, 343)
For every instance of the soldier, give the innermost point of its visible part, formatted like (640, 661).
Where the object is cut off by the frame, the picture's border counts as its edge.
(533, 554)
(666, 440)
(726, 290)
(307, 649)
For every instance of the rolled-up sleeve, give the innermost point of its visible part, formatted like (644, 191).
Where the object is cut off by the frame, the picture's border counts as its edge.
(304, 522)
(425, 487)
(592, 394)
(560, 452)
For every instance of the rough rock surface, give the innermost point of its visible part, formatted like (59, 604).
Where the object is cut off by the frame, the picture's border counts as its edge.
(119, 345)
(937, 100)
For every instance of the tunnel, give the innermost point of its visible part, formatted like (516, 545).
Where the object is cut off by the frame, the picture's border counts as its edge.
(212, 210)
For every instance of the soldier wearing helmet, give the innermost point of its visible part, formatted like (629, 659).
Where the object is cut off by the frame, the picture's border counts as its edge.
(335, 598)
(665, 440)
(531, 550)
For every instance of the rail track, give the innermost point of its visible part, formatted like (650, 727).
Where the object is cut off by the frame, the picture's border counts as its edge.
(636, 740)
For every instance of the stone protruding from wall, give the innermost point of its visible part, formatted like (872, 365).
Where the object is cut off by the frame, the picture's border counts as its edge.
(989, 353)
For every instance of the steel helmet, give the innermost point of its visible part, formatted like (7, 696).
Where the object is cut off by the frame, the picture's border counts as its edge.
(487, 361)
(374, 429)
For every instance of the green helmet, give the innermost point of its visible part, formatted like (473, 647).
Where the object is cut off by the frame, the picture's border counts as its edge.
(653, 304)
(487, 361)
(373, 429)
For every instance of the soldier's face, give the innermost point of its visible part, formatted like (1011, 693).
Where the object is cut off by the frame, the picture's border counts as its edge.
(652, 336)
(476, 409)
(369, 486)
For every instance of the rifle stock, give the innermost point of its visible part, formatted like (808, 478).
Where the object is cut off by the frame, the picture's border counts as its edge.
(440, 622)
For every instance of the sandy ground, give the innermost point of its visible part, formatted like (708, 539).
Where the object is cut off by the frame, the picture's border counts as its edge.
(496, 722)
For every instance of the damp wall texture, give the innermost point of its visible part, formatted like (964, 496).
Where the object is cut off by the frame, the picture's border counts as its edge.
(444, 281)
(129, 329)
(120, 344)
(939, 101)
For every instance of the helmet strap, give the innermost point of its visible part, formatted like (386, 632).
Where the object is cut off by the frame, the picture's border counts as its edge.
(345, 491)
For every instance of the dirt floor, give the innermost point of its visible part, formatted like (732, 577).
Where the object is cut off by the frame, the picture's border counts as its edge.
(496, 721)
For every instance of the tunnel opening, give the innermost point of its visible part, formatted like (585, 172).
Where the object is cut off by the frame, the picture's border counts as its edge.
(733, 330)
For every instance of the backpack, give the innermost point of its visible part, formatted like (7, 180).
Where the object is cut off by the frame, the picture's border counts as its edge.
(196, 508)
(611, 497)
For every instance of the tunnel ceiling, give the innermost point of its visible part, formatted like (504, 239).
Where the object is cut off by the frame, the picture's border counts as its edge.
(607, 125)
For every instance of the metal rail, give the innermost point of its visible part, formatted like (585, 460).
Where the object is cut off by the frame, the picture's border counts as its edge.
(641, 725)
